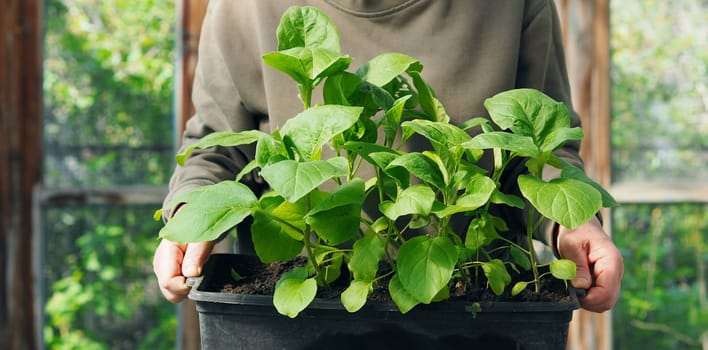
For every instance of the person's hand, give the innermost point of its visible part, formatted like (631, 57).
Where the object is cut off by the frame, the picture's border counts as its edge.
(174, 262)
(599, 264)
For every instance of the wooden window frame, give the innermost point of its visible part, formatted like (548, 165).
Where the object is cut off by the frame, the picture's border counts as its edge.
(20, 167)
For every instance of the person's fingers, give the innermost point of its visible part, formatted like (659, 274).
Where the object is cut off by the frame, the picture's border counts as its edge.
(194, 258)
(166, 265)
(175, 289)
(579, 254)
(599, 264)
(608, 271)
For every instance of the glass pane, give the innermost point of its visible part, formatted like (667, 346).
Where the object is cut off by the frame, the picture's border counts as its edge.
(663, 300)
(100, 292)
(108, 73)
(659, 90)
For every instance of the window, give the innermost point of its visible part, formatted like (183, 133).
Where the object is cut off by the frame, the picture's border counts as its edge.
(108, 152)
(660, 171)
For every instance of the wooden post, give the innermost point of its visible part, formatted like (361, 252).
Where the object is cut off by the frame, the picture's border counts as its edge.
(20, 166)
(190, 15)
(586, 40)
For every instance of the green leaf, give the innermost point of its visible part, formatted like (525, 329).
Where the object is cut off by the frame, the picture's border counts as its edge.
(392, 119)
(522, 145)
(331, 270)
(350, 192)
(221, 138)
(296, 63)
(401, 297)
(568, 202)
(307, 66)
(235, 275)
(339, 87)
(423, 167)
(428, 102)
(443, 294)
(482, 122)
(366, 254)
(307, 26)
(558, 137)
(326, 63)
(479, 191)
(380, 156)
(381, 98)
(520, 257)
(571, 172)
(337, 218)
(269, 148)
(247, 169)
(365, 149)
(270, 240)
(563, 269)
(425, 266)
(313, 128)
(528, 112)
(497, 275)
(518, 288)
(511, 200)
(290, 216)
(480, 233)
(383, 68)
(417, 199)
(442, 134)
(293, 179)
(354, 297)
(209, 212)
(465, 174)
(294, 292)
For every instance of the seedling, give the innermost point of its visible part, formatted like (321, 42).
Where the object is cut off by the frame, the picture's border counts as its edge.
(336, 145)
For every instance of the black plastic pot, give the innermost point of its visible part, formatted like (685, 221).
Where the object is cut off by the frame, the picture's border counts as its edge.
(234, 321)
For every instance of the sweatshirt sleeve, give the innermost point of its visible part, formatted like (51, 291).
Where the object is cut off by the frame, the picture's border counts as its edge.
(219, 107)
(542, 66)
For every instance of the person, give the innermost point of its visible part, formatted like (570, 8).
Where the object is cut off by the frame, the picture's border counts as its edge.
(470, 49)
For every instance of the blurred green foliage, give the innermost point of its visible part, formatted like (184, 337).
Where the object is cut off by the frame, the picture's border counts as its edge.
(659, 128)
(108, 101)
(104, 295)
(663, 303)
(108, 90)
(659, 90)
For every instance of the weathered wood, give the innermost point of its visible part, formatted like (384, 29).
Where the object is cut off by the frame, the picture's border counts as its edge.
(586, 39)
(190, 13)
(20, 167)
(190, 16)
(650, 192)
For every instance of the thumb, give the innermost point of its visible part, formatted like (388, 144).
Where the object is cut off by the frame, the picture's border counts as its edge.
(583, 276)
(194, 258)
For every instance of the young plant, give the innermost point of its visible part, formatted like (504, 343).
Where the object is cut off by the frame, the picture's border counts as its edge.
(419, 194)
(536, 126)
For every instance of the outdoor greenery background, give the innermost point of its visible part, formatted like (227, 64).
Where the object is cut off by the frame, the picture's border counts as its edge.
(660, 133)
(108, 86)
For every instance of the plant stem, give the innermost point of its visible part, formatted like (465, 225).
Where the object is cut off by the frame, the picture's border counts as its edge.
(532, 251)
(308, 244)
(306, 95)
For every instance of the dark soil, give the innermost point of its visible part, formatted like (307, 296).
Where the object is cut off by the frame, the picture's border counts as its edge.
(260, 279)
